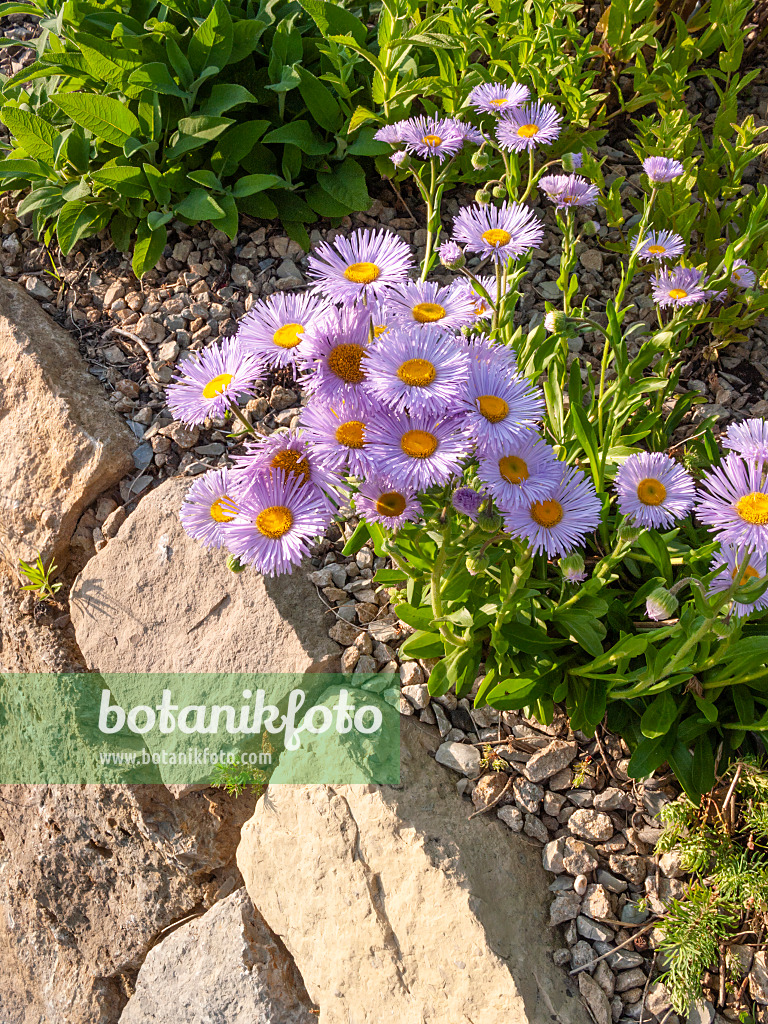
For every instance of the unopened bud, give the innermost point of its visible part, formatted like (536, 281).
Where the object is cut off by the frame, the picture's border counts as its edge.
(556, 321)
(572, 161)
(499, 192)
(628, 533)
(400, 158)
(489, 521)
(661, 604)
(480, 160)
(572, 568)
(234, 564)
(476, 564)
(482, 196)
(590, 228)
(451, 256)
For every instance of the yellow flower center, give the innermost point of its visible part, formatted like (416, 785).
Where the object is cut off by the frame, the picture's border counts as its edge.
(428, 312)
(496, 237)
(292, 463)
(345, 361)
(499, 103)
(220, 512)
(651, 492)
(362, 273)
(677, 293)
(217, 385)
(527, 131)
(379, 329)
(736, 275)
(567, 199)
(392, 503)
(657, 250)
(417, 373)
(753, 508)
(274, 522)
(547, 513)
(493, 408)
(749, 574)
(432, 140)
(513, 469)
(351, 434)
(287, 336)
(419, 444)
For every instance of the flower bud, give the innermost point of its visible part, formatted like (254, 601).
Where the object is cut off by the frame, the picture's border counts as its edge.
(480, 160)
(499, 192)
(451, 256)
(234, 564)
(572, 161)
(572, 568)
(482, 196)
(476, 564)
(590, 228)
(489, 521)
(400, 159)
(661, 604)
(556, 321)
(628, 533)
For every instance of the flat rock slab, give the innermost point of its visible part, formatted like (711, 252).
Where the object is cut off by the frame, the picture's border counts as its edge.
(61, 444)
(225, 967)
(399, 909)
(155, 600)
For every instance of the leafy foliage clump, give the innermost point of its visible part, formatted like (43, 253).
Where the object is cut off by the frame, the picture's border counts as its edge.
(723, 843)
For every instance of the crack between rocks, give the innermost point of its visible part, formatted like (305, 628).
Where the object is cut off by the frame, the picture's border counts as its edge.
(374, 891)
(211, 611)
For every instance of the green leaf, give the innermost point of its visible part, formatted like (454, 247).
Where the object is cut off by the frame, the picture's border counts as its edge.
(121, 228)
(659, 716)
(150, 243)
(195, 132)
(179, 63)
(320, 101)
(227, 223)
(582, 627)
(346, 184)
(127, 181)
(358, 538)
(332, 18)
(156, 78)
(648, 755)
(198, 205)
(360, 116)
(73, 223)
(703, 769)
(160, 189)
(300, 134)
(253, 183)
(104, 116)
(422, 644)
(206, 178)
(34, 135)
(419, 618)
(245, 37)
(226, 96)
(390, 576)
(211, 44)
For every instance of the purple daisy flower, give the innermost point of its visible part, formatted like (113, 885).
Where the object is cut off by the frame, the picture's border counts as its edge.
(500, 406)
(493, 97)
(274, 328)
(743, 275)
(399, 157)
(482, 351)
(528, 127)
(286, 453)
(391, 133)
(679, 287)
(729, 560)
(569, 190)
(277, 520)
(432, 136)
(525, 470)
(416, 370)
(658, 245)
(661, 169)
(381, 502)
(749, 439)
(335, 434)
(502, 231)
(467, 502)
(715, 295)
(654, 491)
(470, 133)
(209, 382)
(451, 255)
(560, 522)
(426, 302)
(417, 451)
(360, 267)
(207, 506)
(733, 502)
(333, 352)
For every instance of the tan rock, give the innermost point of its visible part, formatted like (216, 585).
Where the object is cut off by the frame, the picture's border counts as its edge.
(399, 908)
(155, 600)
(61, 445)
(92, 876)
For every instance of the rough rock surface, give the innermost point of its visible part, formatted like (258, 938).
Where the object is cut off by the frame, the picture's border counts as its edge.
(60, 445)
(399, 908)
(225, 967)
(158, 601)
(91, 876)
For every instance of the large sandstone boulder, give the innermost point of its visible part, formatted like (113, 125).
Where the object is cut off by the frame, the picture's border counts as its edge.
(225, 967)
(154, 600)
(61, 444)
(91, 877)
(397, 908)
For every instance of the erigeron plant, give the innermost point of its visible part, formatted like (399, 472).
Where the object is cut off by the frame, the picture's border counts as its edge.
(538, 526)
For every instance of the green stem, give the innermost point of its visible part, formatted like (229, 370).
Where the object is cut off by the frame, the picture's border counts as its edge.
(236, 410)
